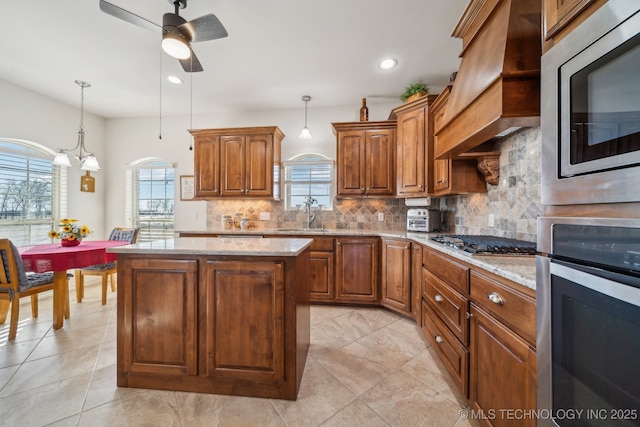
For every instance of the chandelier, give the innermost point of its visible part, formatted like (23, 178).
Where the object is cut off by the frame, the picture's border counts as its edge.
(88, 161)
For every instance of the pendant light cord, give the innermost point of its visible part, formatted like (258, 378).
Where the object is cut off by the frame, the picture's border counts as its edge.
(160, 106)
(191, 106)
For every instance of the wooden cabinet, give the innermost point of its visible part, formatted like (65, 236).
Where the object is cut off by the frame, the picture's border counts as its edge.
(445, 303)
(206, 165)
(157, 318)
(357, 270)
(213, 323)
(562, 16)
(237, 162)
(452, 176)
(482, 327)
(502, 372)
(322, 287)
(242, 309)
(416, 282)
(365, 158)
(396, 275)
(414, 148)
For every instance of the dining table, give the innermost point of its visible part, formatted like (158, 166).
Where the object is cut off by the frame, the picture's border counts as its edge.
(57, 258)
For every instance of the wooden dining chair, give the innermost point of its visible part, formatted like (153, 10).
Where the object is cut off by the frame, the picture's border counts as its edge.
(15, 283)
(108, 270)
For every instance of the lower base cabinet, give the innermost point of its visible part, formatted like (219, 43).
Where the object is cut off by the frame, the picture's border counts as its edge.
(483, 329)
(502, 373)
(357, 270)
(224, 324)
(396, 275)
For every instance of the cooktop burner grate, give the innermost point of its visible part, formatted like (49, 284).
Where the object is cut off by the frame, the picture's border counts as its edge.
(487, 245)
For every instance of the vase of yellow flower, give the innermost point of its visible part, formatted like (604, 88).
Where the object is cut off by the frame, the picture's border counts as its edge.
(70, 233)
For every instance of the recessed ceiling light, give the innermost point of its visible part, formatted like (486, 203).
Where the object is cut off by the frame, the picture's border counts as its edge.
(175, 80)
(387, 64)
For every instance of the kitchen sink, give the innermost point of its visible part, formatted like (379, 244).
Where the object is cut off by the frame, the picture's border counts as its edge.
(303, 230)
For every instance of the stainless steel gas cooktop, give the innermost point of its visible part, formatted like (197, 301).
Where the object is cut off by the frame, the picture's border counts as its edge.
(486, 245)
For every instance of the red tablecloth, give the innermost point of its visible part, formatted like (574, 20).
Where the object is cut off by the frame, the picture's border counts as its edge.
(55, 257)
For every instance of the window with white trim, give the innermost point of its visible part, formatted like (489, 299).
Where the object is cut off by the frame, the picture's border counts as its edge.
(32, 192)
(151, 199)
(308, 175)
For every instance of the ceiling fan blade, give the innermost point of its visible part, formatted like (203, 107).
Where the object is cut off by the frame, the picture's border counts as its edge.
(191, 64)
(207, 27)
(125, 15)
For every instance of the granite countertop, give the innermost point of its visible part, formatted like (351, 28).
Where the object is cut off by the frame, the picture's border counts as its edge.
(246, 246)
(519, 269)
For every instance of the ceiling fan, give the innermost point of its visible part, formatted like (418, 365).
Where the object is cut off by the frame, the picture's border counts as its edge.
(177, 33)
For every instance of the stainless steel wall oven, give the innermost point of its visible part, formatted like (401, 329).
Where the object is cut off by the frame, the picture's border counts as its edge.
(591, 110)
(588, 302)
(588, 273)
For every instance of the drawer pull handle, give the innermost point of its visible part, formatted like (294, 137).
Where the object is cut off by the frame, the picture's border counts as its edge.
(438, 298)
(439, 339)
(495, 298)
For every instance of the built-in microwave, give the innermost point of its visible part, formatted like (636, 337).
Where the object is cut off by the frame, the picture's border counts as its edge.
(590, 110)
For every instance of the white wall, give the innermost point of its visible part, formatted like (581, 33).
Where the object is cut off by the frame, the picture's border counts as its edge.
(29, 116)
(118, 142)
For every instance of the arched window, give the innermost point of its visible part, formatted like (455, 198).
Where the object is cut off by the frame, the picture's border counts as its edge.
(308, 175)
(150, 198)
(33, 192)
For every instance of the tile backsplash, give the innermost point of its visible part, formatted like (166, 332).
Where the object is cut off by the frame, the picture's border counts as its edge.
(514, 203)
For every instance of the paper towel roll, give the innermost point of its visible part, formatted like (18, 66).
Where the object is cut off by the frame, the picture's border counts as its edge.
(418, 201)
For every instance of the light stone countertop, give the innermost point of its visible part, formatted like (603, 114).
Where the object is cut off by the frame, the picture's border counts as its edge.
(244, 246)
(519, 269)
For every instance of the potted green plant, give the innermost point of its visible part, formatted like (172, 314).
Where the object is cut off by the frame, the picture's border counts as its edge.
(414, 91)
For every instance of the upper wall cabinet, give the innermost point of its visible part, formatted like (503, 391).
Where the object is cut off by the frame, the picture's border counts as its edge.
(497, 88)
(365, 158)
(451, 176)
(237, 162)
(414, 148)
(562, 16)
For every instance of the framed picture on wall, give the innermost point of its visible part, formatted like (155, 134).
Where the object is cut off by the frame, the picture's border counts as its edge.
(186, 187)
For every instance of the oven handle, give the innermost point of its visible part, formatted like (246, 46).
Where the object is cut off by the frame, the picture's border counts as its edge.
(597, 283)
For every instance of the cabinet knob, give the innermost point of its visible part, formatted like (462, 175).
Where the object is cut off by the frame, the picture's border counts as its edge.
(438, 298)
(495, 298)
(439, 339)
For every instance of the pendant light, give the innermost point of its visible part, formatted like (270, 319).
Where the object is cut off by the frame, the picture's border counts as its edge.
(305, 134)
(88, 161)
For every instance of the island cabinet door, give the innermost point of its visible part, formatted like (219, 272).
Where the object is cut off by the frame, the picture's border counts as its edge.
(242, 313)
(157, 318)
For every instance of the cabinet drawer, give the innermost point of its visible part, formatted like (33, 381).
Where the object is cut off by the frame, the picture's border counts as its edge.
(448, 304)
(453, 355)
(514, 308)
(321, 243)
(452, 273)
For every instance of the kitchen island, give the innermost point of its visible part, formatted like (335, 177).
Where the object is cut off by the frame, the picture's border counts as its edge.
(214, 315)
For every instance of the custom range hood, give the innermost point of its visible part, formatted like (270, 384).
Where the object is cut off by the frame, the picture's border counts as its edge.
(497, 87)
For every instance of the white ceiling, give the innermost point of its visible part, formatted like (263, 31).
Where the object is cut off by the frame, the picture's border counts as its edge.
(276, 51)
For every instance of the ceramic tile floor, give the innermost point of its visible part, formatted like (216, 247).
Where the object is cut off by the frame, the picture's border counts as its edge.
(366, 367)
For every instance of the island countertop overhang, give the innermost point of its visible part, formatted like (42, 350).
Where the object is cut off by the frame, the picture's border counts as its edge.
(236, 246)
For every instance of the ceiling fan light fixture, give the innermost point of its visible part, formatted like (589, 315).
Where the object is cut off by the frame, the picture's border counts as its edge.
(175, 80)
(175, 45)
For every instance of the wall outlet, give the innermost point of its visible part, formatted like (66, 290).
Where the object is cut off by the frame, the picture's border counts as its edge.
(491, 220)
(380, 216)
(265, 216)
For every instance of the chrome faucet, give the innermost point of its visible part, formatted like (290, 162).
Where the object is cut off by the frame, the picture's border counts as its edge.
(308, 202)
